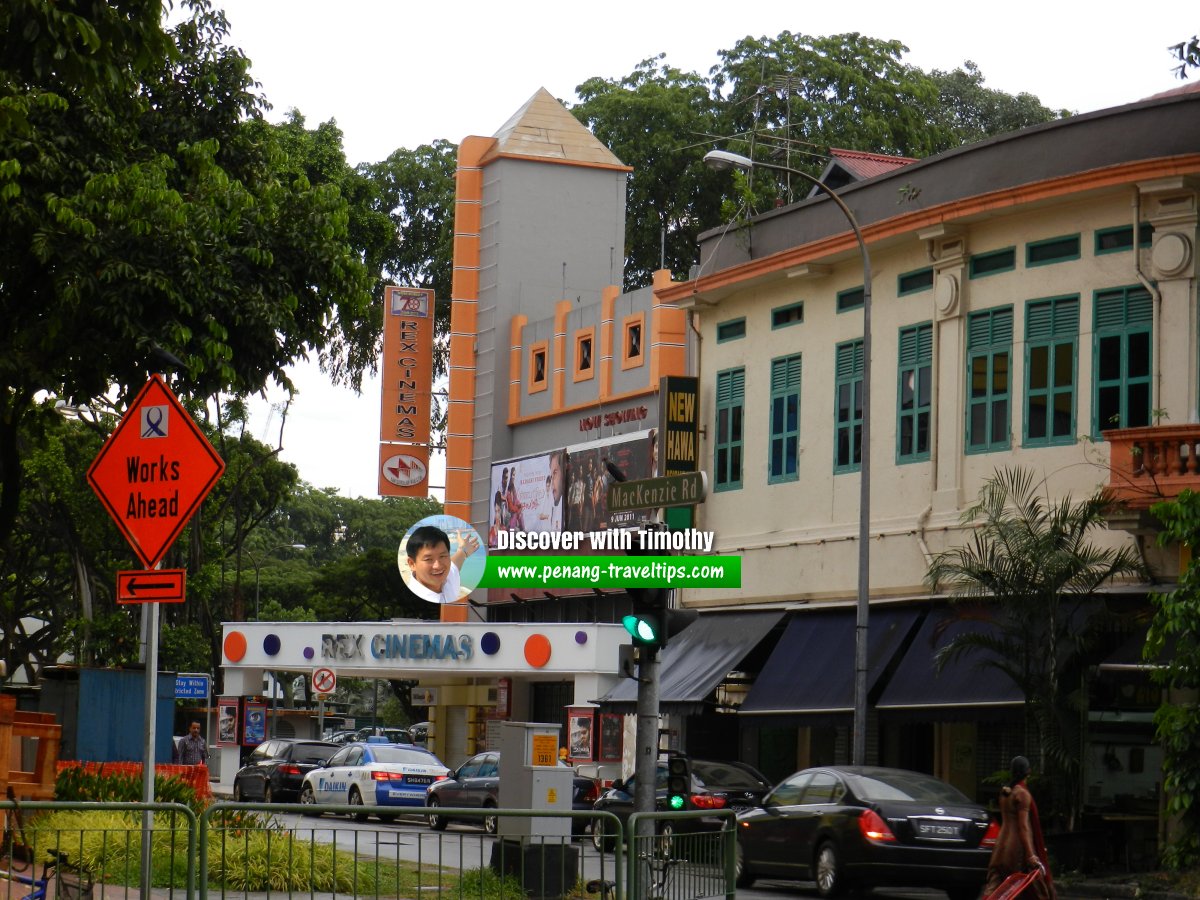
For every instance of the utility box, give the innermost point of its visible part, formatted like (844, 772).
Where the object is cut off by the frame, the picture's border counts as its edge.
(531, 778)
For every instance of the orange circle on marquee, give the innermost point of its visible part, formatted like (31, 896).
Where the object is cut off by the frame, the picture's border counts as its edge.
(235, 646)
(537, 650)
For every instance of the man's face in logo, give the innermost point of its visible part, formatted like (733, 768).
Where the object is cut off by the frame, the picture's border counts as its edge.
(431, 566)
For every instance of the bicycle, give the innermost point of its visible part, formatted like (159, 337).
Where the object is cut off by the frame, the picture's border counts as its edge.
(71, 882)
(659, 868)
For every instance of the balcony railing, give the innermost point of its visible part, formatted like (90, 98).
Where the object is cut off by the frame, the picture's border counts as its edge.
(1156, 463)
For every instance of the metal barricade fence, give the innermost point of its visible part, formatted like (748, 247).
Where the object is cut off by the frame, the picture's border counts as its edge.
(81, 851)
(260, 851)
(681, 855)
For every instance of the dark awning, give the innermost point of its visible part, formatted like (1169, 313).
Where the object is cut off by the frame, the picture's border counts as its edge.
(695, 660)
(811, 670)
(968, 681)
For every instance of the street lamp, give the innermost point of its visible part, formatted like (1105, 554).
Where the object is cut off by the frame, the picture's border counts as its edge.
(258, 562)
(722, 159)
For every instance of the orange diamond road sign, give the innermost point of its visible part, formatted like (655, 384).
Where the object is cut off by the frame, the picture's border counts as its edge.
(151, 586)
(154, 471)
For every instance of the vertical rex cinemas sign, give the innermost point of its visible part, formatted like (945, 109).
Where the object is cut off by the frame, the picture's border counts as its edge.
(406, 409)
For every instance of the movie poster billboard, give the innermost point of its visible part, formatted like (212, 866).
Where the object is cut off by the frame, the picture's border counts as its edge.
(527, 495)
(635, 455)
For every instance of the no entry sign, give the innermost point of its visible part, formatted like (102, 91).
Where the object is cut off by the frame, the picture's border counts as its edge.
(324, 680)
(154, 471)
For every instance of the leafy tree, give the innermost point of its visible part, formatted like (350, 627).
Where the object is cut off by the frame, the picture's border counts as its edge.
(970, 112)
(415, 189)
(1032, 569)
(658, 120)
(786, 99)
(1176, 624)
(806, 93)
(149, 216)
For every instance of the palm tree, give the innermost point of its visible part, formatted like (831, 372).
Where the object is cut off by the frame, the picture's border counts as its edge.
(1032, 571)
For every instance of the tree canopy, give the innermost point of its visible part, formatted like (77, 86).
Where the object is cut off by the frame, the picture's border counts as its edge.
(785, 99)
(152, 220)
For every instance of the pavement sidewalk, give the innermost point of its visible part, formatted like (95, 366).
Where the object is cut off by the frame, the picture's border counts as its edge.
(1125, 887)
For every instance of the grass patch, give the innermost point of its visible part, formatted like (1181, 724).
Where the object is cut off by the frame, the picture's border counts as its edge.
(246, 851)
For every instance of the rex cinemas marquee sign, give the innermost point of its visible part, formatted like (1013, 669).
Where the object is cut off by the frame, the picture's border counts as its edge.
(406, 409)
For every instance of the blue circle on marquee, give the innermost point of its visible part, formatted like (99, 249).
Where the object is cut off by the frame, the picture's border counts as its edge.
(309, 653)
(490, 643)
(581, 637)
(271, 644)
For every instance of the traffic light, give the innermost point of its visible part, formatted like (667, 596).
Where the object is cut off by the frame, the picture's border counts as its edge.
(646, 628)
(647, 622)
(679, 781)
(651, 624)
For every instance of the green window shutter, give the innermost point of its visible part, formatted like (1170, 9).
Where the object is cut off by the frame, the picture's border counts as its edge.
(1066, 317)
(849, 359)
(785, 374)
(731, 386)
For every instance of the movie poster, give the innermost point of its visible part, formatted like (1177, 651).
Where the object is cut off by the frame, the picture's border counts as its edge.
(588, 479)
(255, 729)
(227, 722)
(580, 746)
(527, 495)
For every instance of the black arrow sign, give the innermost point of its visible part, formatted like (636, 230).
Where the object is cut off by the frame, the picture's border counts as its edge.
(151, 586)
(133, 585)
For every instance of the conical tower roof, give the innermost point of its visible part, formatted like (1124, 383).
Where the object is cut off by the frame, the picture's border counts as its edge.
(543, 129)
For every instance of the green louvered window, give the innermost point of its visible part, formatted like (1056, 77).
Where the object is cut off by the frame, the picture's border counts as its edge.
(1051, 335)
(731, 397)
(851, 299)
(984, 264)
(1052, 250)
(848, 397)
(784, 452)
(1124, 319)
(989, 364)
(914, 282)
(1120, 238)
(915, 396)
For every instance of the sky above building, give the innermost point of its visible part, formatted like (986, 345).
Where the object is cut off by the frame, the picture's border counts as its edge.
(400, 74)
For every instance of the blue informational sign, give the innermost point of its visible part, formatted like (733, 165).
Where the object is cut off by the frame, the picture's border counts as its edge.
(191, 687)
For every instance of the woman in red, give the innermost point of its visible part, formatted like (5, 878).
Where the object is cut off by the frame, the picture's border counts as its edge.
(1019, 847)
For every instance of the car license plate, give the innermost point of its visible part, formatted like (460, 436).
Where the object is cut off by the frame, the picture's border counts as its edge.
(938, 830)
(418, 779)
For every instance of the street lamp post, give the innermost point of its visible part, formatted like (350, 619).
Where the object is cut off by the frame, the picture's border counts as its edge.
(722, 159)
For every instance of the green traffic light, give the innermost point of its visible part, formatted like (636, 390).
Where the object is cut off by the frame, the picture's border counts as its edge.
(643, 630)
(675, 801)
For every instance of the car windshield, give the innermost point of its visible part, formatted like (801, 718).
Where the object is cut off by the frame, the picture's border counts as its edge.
(311, 753)
(403, 755)
(905, 786)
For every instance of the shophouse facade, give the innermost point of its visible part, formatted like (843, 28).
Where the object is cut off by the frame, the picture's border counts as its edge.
(1034, 304)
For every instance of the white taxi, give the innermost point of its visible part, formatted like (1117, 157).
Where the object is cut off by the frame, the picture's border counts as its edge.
(380, 775)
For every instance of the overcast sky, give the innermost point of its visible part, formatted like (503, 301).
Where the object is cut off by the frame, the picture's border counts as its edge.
(394, 73)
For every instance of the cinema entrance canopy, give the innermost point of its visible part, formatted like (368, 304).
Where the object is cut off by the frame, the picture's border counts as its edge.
(463, 661)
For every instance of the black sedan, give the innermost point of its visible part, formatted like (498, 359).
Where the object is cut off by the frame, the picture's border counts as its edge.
(862, 827)
(476, 785)
(715, 785)
(275, 770)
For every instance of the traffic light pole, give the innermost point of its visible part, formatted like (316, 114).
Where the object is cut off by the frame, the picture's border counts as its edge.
(645, 770)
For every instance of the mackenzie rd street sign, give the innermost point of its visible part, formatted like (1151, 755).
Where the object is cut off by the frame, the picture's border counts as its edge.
(154, 471)
(684, 489)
